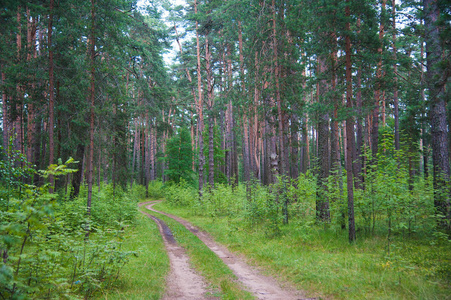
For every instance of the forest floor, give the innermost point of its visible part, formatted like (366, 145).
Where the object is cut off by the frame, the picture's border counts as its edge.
(184, 282)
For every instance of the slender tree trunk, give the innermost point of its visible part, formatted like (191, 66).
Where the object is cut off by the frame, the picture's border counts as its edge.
(246, 150)
(278, 98)
(147, 154)
(395, 70)
(199, 109)
(358, 176)
(31, 35)
(378, 92)
(255, 124)
(322, 202)
(210, 95)
(5, 113)
(51, 94)
(92, 106)
(349, 127)
(423, 131)
(294, 169)
(18, 121)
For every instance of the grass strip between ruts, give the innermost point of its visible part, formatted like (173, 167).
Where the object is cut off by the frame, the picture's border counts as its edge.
(206, 262)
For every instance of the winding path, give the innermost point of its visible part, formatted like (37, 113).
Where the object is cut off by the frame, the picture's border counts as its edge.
(183, 283)
(263, 287)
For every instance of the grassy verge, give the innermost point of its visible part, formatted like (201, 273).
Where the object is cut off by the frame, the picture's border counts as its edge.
(143, 277)
(206, 262)
(326, 265)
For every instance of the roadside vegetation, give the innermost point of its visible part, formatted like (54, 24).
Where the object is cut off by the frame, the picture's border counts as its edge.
(144, 276)
(50, 247)
(400, 252)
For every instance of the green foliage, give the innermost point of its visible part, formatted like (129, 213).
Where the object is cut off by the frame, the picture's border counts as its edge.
(179, 156)
(155, 189)
(182, 194)
(144, 276)
(45, 253)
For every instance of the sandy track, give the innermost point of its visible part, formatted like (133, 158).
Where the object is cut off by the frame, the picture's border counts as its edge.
(263, 287)
(183, 283)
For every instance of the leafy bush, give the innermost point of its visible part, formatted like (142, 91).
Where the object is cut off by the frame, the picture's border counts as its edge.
(181, 194)
(43, 245)
(155, 189)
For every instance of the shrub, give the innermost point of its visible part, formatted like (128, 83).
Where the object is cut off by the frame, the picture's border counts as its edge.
(45, 252)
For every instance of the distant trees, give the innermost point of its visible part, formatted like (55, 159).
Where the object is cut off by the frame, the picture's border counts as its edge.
(264, 89)
(72, 85)
(314, 84)
(179, 157)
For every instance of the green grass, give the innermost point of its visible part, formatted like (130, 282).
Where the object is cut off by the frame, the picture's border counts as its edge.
(143, 277)
(223, 282)
(324, 264)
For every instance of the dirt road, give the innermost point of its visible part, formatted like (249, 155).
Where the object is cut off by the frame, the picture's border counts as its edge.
(263, 287)
(183, 283)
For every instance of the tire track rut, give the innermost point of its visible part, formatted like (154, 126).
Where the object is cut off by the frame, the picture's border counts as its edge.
(183, 283)
(263, 287)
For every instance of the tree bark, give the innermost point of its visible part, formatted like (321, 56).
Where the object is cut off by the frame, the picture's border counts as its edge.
(17, 121)
(395, 70)
(378, 92)
(437, 111)
(6, 118)
(349, 127)
(92, 106)
(322, 202)
(278, 98)
(210, 95)
(358, 175)
(51, 95)
(199, 109)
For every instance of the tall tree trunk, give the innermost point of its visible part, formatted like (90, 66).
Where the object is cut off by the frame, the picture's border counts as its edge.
(255, 124)
(281, 134)
(142, 177)
(154, 153)
(358, 175)
(395, 70)
(294, 159)
(5, 113)
(91, 114)
(51, 94)
(18, 121)
(349, 127)
(210, 95)
(437, 110)
(31, 134)
(199, 109)
(378, 94)
(135, 153)
(322, 202)
(423, 125)
(246, 150)
(147, 154)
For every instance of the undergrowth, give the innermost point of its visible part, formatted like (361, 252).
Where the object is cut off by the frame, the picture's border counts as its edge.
(399, 253)
(44, 248)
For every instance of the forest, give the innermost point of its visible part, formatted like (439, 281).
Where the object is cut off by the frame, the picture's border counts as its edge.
(320, 126)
